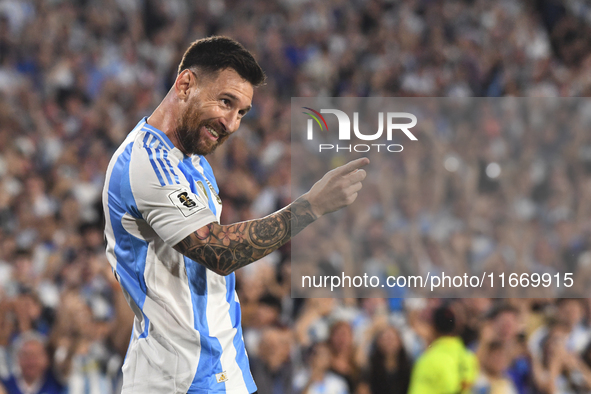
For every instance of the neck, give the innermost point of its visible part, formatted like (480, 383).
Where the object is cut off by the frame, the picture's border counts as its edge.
(494, 375)
(30, 381)
(165, 117)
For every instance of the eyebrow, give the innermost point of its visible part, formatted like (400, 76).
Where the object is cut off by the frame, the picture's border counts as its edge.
(233, 97)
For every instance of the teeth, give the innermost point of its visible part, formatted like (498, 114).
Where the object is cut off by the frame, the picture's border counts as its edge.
(212, 131)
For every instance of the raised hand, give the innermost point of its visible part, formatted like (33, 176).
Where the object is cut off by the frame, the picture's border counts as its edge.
(337, 188)
(224, 249)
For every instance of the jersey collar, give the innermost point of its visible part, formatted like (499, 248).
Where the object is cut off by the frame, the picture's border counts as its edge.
(158, 132)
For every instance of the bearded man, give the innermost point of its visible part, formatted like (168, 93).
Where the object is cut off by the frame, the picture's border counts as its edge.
(174, 260)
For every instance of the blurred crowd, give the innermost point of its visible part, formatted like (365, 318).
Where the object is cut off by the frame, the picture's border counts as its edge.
(77, 75)
(495, 189)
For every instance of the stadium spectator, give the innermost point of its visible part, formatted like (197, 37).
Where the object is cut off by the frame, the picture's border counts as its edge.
(80, 341)
(272, 369)
(34, 374)
(502, 337)
(313, 322)
(389, 367)
(317, 378)
(74, 75)
(569, 316)
(560, 370)
(494, 360)
(343, 353)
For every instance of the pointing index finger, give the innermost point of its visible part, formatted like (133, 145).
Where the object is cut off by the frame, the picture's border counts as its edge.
(353, 165)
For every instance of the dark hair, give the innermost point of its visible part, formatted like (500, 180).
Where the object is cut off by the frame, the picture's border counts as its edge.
(498, 310)
(336, 325)
(23, 253)
(444, 320)
(495, 345)
(586, 355)
(379, 378)
(271, 301)
(217, 53)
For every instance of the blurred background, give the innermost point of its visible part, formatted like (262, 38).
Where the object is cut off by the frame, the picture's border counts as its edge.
(492, 188)
(75, 78)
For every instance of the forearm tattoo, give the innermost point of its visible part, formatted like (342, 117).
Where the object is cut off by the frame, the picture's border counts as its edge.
(224, 249)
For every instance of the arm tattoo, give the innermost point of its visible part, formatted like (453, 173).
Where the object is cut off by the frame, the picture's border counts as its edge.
(224, 249)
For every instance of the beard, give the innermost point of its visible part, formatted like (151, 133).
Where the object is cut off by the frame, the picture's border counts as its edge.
(191, 135)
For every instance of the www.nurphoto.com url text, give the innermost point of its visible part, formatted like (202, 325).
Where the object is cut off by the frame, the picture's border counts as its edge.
(441, 280)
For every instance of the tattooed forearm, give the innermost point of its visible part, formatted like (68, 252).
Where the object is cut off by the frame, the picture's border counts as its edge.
(224, 249)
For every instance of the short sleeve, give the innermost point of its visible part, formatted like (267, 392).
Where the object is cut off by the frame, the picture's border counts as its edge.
(162, 195)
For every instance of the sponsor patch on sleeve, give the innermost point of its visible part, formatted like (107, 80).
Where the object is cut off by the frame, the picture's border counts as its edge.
(186, 201)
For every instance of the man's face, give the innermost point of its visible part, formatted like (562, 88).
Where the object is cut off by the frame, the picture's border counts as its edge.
(506, 325)
(571, 312)
(32, 360)
(215, 106)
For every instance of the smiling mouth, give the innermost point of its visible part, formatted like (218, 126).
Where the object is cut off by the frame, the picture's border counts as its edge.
(212, 132)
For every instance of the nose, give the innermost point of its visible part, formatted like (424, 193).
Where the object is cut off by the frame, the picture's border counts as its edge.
(232, 122)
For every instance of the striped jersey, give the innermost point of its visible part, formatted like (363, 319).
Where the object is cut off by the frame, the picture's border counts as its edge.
(187, 336)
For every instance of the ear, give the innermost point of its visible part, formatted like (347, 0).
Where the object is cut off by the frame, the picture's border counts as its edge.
(182, 84)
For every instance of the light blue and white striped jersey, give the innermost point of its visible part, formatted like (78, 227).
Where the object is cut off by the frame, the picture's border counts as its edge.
(187, 336)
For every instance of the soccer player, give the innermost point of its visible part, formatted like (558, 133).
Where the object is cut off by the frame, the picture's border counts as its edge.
(173, 258)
